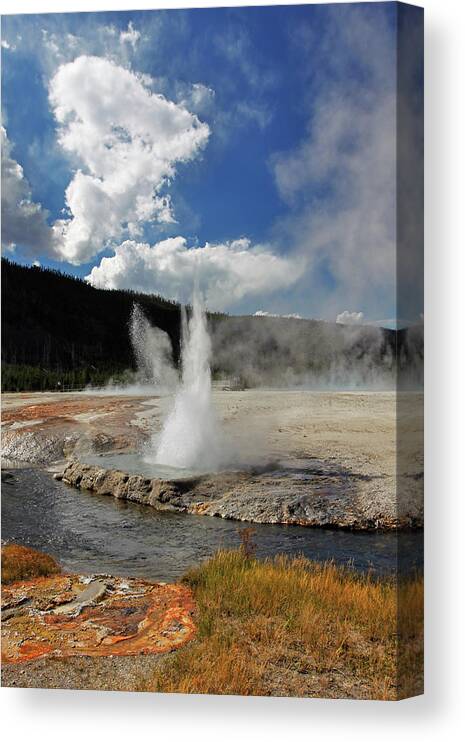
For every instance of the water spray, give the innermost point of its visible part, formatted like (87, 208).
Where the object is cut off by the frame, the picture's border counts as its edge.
(191, 437)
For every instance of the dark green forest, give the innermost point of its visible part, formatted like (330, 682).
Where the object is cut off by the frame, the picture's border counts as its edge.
(58, 331)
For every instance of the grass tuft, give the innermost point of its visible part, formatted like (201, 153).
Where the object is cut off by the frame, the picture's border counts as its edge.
(23, 563)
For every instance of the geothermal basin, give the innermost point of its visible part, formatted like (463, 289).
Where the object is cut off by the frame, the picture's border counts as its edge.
(309, 434)
(302, 458)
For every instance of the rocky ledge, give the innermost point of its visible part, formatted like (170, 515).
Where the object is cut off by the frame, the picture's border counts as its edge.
(313, 496)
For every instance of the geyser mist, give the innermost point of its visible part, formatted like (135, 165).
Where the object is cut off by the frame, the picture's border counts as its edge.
(191, 437)
(153, 352)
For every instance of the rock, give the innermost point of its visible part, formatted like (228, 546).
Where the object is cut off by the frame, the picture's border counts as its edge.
(32, 446)
(322, 498)
(111, 617)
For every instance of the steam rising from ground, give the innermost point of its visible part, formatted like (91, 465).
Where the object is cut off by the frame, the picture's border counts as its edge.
(308, 354)
(277, 352)
(191, 437)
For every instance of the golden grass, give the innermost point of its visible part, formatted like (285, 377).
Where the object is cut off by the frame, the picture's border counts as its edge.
(23, 563)
(293, 627)
(410, 643)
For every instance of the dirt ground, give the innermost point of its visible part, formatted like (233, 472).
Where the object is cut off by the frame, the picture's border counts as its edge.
(356, 428)
(376, 436)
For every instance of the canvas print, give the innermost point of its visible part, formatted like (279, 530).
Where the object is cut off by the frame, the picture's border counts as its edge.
(212, 351)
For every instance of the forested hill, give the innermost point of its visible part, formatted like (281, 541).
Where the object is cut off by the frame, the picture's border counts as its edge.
(59, 330)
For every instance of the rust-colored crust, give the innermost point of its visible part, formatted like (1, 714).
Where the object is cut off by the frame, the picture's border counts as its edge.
(61, 409)
(44, 616)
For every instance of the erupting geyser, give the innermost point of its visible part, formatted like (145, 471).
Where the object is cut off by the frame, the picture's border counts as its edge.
(191, 438)
(153, 352)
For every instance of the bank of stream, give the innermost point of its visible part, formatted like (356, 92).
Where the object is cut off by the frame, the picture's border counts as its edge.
(91, 533)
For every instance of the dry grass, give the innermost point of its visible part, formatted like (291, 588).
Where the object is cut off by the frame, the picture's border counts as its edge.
(22, 563)
(410, 644)
(293, 627)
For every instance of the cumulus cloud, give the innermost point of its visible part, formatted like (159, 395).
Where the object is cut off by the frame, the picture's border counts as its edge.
(226, 273)
(24, 222)
(126, 142)
(228, 111)
(350, 318)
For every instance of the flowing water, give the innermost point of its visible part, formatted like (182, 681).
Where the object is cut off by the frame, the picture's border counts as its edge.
(92, 533)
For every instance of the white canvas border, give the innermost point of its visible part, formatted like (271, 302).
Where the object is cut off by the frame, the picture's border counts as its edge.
(57, 714)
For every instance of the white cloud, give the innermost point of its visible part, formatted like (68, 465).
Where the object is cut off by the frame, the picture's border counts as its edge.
(350, 318)
(59, 46)
(131, 36)
(340, 181)
(127, 141)
(354, 232)
(262, 313)
(196, 97)
(24, 222)
(226, 272)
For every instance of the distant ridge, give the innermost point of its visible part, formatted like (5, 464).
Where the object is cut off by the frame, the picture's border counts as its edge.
(60, 332)
(58, 328)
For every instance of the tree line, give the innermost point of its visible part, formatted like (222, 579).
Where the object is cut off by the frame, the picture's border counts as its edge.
(59, 331)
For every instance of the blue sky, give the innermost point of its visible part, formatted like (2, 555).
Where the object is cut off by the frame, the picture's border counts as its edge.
(280, 196)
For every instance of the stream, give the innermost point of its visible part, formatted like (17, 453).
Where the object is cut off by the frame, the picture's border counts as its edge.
(90, 533)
